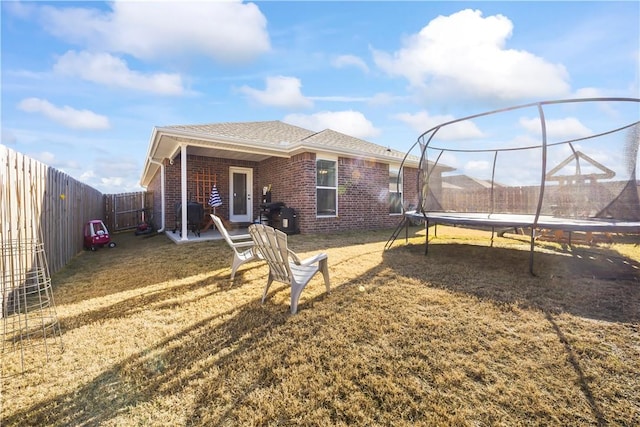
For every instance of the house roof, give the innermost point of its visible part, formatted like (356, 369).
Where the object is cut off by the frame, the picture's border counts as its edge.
(466, 182)
(336, 141)
(257, 141)
(269, 133)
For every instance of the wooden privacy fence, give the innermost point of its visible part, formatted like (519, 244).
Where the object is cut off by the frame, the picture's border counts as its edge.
(40, 203)
(558, 199)
(43, 211)
(518, 200)
(125, 211)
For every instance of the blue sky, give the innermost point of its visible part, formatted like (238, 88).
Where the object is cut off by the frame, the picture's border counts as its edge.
(84, 83)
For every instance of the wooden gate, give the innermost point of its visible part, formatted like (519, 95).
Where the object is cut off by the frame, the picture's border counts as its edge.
(126, 210)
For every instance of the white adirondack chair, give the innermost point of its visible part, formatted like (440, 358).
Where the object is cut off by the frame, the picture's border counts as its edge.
(242, 246)
(284, 265)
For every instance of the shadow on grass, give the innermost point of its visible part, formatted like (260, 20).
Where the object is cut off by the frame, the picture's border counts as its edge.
(162, 370)
(218, 356)
(582, 378)
(131, 306)
(138, 260)
(207, 355)
(595, 283)
(158, 259)
(205, 351)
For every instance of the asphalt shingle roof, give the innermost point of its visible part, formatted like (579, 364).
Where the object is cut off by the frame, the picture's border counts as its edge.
(270, 132)
(333, 139)
(282, 134)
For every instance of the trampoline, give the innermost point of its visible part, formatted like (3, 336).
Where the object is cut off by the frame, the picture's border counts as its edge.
(566, 165)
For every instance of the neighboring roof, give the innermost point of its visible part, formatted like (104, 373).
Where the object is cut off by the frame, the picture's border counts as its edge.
(451, 186)
(465, 182)
(257, 141)
(589, 169)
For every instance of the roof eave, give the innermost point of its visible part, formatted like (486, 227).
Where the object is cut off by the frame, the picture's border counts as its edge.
(228, 143)
(153, 147)
(301, 147)
(193, 140)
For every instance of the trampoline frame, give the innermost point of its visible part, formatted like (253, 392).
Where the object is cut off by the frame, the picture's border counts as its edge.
(546, 222)
(535, 220)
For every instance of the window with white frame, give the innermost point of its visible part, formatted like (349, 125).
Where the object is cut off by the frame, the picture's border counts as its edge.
(326, 187)
(395, 190)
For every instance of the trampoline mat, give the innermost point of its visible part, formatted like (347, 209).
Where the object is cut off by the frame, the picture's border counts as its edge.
(516, 220)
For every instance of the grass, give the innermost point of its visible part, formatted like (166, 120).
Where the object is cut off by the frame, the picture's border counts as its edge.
(155, 334)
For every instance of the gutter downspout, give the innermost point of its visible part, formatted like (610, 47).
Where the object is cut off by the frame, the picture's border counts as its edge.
(183, 179)
(162, 201)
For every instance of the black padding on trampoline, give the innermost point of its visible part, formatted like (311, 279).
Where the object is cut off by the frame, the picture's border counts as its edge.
(522, 221)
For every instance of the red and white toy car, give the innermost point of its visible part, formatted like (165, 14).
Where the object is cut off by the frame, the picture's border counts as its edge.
(96, 235)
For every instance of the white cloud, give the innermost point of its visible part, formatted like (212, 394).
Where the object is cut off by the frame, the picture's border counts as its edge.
(350, 61)
(111, 71)
(352, 123)
(67, 116)
(50, 159)
(281, 92)
(20, 9)
(476, 166)
(589, 92)
(567, 128)
(110, 181)
(45, 157)
(339, 98)
(464, 54)
(8, 137)
(423, 121)
(382, 99)
(229, 31)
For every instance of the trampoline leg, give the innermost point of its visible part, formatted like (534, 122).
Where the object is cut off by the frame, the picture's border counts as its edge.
(426, 237)
(406, 230)
(533, 237)
(493, 231)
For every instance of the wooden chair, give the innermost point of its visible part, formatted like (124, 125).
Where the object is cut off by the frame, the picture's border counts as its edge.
(284, 265)
(242, 245)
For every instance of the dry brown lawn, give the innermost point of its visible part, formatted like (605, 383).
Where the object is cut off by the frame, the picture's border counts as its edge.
(154, 333)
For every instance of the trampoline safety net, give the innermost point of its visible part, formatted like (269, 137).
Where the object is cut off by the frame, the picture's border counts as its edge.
(563, 164)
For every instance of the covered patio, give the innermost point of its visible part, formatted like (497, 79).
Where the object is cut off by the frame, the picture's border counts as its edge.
(205, 235)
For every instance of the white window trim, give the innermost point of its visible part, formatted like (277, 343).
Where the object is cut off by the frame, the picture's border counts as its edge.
(331, 159)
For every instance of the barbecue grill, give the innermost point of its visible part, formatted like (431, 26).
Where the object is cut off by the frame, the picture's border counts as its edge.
(195, 214)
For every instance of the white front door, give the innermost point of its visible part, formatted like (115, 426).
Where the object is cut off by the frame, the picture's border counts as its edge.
(240, 191)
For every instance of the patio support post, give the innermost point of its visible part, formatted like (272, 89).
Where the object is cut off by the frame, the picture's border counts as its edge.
(183, 182)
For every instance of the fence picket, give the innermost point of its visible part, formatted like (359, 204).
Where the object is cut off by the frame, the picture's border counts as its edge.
(36, 198)
(31, 204)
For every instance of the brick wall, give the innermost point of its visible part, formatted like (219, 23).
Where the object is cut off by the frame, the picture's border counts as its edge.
(217, 166)
(293, 181)
(362, 190)
(410, 187)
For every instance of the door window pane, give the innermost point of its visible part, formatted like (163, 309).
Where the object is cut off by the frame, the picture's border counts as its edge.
(239, 194)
